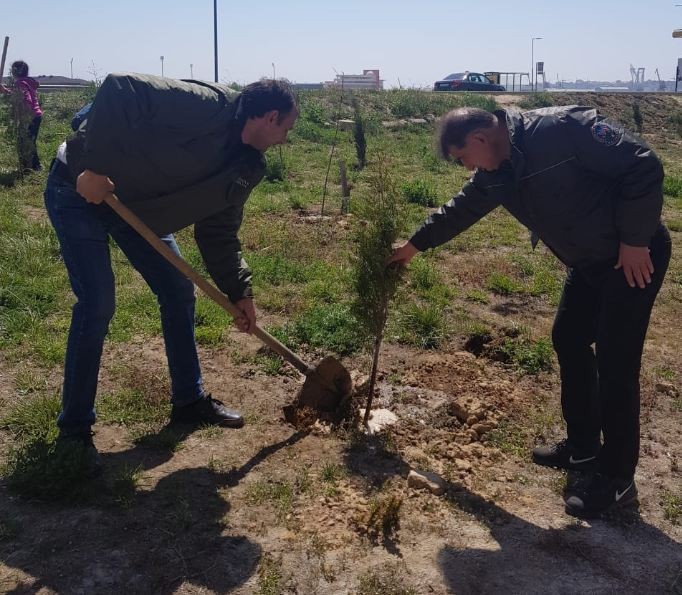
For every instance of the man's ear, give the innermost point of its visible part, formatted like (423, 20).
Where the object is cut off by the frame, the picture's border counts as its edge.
(272, 117)
(480, 138)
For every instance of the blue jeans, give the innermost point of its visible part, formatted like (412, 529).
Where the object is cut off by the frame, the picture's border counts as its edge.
(83, 231)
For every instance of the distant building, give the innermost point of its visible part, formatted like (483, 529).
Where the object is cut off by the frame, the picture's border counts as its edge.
(369, 80)
(307, 86)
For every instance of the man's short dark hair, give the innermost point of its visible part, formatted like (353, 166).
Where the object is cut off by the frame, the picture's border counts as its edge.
(459, 123)
(266, 95)
(19, 68)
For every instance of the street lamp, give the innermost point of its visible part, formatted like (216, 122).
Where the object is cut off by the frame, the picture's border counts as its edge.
(161, 65)
(532, 62)
(215, 39)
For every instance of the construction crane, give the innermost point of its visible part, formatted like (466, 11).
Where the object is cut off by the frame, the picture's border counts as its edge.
(661, 84)
(637, 75)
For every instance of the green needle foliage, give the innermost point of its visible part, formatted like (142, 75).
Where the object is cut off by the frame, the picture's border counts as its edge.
(359, 135)
(381, 217)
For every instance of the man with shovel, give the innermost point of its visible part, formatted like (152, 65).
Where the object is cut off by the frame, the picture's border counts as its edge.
(176, 153)
(593, 193)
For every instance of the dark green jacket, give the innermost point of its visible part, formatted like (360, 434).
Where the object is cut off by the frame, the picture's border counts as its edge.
(580, 183)
(173, 150)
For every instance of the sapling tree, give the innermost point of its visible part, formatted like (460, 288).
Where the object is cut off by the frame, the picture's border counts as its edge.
(359, 135)
(380, 222)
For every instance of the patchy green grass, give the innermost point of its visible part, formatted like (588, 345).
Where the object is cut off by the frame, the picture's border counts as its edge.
(672, 186)
(33, 418)
(536, 100)
(420, 192)
(421, 325)
(503, 284)
(672, 507)
(389, 579)
(332, 473)
(510, 438)
(124, 485)
(330, 327)
(529, 356)
(270, 576)
(277, 493)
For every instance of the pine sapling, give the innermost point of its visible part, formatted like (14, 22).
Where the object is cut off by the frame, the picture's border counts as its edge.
(381, 220)
(359, 135)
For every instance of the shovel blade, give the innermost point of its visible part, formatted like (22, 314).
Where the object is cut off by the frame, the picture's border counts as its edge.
(326, 388)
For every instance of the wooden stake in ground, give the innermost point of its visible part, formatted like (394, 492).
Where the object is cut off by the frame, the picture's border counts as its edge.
(382, 217)
(4, 57)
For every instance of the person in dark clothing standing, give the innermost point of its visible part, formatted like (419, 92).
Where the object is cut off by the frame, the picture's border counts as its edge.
(177, 153)
(592, 192)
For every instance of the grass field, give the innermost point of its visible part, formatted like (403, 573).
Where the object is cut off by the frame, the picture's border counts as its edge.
(269, 510)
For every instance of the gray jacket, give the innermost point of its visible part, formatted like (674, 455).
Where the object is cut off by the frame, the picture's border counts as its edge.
(579, 182)
(173, 150)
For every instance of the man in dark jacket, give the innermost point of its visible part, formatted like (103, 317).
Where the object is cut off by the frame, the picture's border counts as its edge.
(177, 153)
(592, 193)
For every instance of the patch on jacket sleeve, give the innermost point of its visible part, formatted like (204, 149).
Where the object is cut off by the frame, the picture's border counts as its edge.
(606, 134)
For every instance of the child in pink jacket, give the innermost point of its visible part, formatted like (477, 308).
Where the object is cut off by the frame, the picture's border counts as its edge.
(28, 88)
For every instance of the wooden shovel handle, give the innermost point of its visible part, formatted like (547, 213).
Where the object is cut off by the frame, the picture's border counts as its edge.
(215, 294)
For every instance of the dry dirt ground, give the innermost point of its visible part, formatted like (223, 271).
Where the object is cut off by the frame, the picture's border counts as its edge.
(268, 509)
(208, 516)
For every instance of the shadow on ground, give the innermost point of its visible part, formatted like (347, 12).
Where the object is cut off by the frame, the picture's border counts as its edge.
(178, 532)
(620, 553)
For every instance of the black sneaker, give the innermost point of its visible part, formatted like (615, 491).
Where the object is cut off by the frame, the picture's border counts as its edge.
(209, 411)
(78, 447)
(601, 494)
(563, 455)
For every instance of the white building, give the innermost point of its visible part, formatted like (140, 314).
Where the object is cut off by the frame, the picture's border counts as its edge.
(369, 79)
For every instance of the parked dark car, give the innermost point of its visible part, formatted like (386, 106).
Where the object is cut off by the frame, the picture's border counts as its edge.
(466, 81)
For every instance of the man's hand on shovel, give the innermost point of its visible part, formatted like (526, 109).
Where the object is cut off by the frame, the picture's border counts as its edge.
(247, 322)
(94, 188)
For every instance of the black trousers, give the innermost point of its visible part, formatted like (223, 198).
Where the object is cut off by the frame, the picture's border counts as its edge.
(600, 386)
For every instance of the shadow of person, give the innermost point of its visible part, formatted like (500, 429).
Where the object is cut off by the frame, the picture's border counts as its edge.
(621, 553)
(150, 450)
(177, 532)
(234, 476)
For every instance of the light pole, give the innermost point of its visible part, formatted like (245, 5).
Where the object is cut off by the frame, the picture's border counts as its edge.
(273, 72)
(161, 65)
(72, 68)
(215, 39)
(532, 62)
(191, 71)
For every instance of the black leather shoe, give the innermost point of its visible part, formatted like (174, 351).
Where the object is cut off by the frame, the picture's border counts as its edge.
(78, 448)
(206, 411)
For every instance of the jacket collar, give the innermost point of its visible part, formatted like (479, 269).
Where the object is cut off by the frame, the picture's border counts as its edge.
(515, 128)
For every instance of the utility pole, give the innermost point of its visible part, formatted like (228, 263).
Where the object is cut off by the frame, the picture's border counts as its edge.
(215, 39)
(191, 71)
(71, 68)
(161, 65)
(533, 80)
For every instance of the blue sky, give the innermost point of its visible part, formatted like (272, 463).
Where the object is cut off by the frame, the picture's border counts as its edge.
(413, 43)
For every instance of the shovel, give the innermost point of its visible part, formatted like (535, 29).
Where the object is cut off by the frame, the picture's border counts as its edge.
(326, 386)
